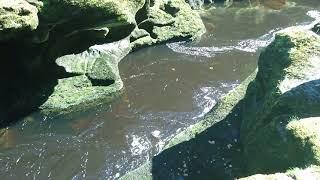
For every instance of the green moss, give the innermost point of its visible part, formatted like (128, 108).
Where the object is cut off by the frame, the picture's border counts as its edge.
(16, 18)
(94, 78)
(285, 89)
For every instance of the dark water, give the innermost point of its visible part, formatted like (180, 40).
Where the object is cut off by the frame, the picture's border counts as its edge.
(167, 88)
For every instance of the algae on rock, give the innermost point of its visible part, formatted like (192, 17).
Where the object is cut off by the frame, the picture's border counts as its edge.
(285, 91)
(95, 76)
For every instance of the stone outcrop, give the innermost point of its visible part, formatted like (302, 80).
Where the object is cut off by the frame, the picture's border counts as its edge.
(274, 131)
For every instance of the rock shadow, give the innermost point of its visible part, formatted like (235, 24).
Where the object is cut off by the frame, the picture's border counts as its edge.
(213, 154)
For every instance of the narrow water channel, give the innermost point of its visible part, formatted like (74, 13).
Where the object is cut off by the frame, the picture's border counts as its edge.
(167, 88)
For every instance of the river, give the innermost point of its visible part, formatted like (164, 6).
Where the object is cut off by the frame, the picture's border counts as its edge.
(168, 87)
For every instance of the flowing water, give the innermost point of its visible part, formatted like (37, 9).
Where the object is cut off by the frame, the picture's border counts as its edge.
(167, 88)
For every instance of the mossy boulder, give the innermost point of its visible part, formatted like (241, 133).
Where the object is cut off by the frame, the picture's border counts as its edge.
(167, 20)
(94, 78)
(274, 132)
(17, 17)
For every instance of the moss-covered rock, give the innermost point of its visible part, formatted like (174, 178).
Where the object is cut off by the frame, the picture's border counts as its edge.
(168, 20)
(285, 91)
(94, 78)
(17, 17)
(69, 30)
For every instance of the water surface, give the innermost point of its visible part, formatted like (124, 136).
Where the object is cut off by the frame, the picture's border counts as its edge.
(167, 88)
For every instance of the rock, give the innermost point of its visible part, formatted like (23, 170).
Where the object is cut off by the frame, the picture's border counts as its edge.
(274, 131)
(94, 78)
(17, 17)
(316, 28)
(310, 173)
(169, 20)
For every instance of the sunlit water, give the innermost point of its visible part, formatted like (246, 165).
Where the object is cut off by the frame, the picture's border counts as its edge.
(167, 88)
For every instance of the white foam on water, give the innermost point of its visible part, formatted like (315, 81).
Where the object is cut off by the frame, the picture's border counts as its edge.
(246, 45)
(138, 144)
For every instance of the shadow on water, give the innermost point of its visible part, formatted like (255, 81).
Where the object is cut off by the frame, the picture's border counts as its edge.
(213, 154)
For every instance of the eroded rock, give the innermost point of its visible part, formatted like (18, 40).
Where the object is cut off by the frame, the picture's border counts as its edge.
(94, 75)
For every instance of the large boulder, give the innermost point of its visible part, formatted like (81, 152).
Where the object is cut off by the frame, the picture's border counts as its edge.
(275, 132)
(17, 17)
(166, 20)
(95, 77)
